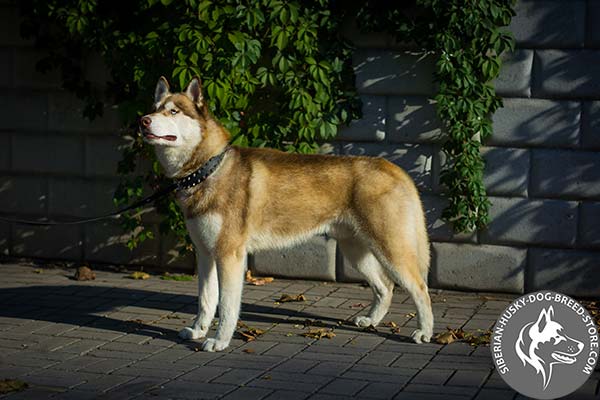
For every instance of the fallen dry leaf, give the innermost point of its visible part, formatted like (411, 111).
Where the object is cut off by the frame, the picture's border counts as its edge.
(394, 328)
(482, 338)
(84, 274)
(12, 385)
(445, 338)
(248, 333)
(319, 334)
(37, 271)
(248, 351)
(257, 281)
(357, 305)
(411, 315)
(286, 298)
(594, 309)
(139, 275)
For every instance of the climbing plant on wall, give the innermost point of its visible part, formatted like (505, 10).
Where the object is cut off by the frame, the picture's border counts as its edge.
(467, 38)
(277, 73)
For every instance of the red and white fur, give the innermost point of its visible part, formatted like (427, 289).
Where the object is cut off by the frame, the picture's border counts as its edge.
(263, 199)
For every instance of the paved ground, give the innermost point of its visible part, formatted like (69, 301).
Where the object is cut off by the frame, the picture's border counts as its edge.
(115, 338)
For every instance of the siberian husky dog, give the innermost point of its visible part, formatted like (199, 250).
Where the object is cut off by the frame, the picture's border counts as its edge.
(263, 199)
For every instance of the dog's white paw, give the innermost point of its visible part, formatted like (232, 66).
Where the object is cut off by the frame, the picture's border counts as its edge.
(420, 336)
(188, 333)
(363, 321)
(211, 345)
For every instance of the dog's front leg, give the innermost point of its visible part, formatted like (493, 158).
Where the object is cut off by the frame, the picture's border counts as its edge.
(230, 270)
(208, 294)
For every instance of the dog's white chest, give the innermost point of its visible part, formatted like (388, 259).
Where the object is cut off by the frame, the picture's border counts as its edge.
(205, 229)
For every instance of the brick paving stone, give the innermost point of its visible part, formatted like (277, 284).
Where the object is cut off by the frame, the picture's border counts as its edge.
(343, 387)
(76, 394)
(287, 395)
(296, 365)
(365, 342)
(250, 361)
(248, 393)
(54, 356)
(170, 355)
(457, 348)
(324, 396)
(379, 390)
(58, 378)
(468, 378)
(432, 376)
(12, 371)
(121, 355)
(284, 385)
(162, 373)
(193, 358)
(132, 388)
(203, 374)
(75, 364)
(495, 394)
(284, 349)
(237, 376)
(191, 390)
(436, 389)
(412, 361)
(340, 358)
(429, 396)
(372, 377)
(106, 366)
(103, 383)
(27, 361)
(34, 394)
(379, 358)
(329, 368)
(255, 347)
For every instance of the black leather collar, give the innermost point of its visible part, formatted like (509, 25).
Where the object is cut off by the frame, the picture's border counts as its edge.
(202, 173)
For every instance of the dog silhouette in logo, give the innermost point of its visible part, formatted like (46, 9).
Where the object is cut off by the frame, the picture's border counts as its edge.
(543, 344)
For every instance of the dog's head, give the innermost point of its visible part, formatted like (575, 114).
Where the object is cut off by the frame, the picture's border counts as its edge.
(544, 343)
(177, 118)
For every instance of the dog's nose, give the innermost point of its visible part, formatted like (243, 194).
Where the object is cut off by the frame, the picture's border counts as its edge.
(145, 121)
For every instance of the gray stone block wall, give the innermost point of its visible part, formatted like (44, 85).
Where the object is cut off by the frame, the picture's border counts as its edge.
(541, 172)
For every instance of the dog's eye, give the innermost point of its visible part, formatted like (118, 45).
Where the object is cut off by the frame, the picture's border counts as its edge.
(174, 111)
(557, 339)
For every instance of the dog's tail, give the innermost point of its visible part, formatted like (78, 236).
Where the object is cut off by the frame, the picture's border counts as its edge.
(423, 256)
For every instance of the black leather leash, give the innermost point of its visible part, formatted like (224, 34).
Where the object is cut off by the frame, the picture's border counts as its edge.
(187, 182)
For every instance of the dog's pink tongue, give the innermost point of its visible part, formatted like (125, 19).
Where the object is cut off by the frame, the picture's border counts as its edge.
(170, 138)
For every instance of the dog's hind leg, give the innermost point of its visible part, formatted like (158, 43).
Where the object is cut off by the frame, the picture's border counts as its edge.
(365, 262)
(405, 271)
(208, 295)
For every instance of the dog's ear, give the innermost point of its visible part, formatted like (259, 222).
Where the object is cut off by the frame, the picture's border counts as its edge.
(161, 91)
(194, 92)
(544, 318)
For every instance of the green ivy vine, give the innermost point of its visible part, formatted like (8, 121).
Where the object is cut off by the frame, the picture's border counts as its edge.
(277, 73)
(468, 38)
